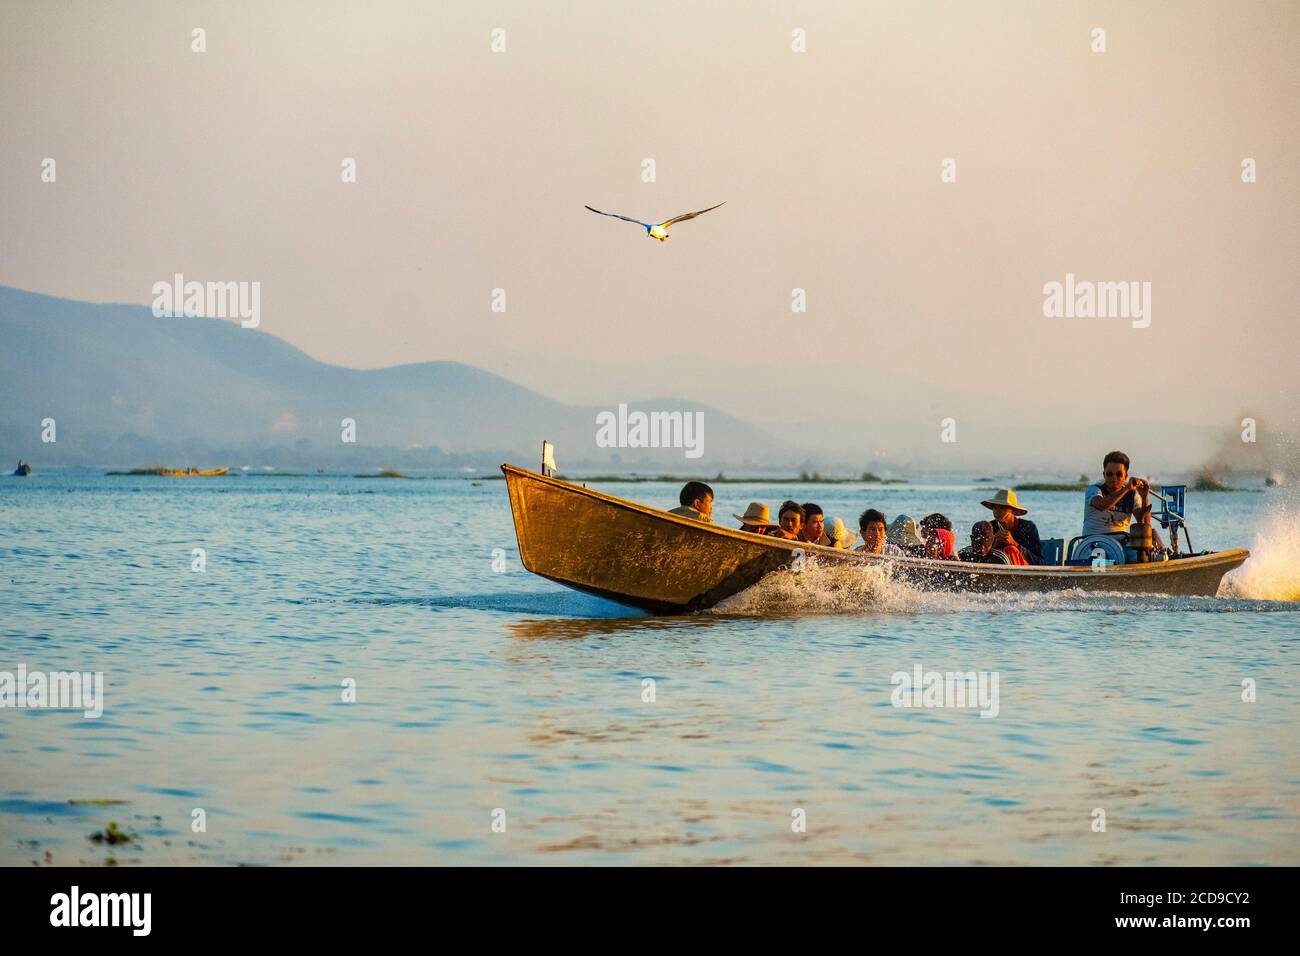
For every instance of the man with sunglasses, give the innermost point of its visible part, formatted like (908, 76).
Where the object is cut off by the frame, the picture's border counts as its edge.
(1108, 505)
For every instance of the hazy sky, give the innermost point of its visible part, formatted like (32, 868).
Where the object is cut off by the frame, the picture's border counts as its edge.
(925, 298)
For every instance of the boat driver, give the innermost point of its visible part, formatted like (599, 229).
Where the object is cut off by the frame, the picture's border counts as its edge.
(1108, 505)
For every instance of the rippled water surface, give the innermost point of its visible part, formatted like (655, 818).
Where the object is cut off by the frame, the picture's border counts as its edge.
(485, 694)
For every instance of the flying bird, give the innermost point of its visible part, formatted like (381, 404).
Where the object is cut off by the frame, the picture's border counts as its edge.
(658, 230)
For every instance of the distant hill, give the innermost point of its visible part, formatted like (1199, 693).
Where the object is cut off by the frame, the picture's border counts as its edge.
(128, 389)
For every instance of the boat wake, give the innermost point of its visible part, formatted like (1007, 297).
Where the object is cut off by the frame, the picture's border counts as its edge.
(1268, 582)
(853, 589)
(1273, 571)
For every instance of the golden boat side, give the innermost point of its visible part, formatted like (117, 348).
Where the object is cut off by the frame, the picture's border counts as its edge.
(667, 564)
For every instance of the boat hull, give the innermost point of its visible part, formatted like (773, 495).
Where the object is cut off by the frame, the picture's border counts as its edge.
(666, 564)
(205, 473)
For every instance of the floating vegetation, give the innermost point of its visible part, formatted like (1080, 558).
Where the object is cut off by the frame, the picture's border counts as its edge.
(112, 835)
(1207, 480)
(96, 803)
(867, 477)
(385, 473)
(1051, 486)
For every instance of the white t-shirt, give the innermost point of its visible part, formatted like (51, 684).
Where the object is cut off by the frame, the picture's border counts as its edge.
(1107, 522)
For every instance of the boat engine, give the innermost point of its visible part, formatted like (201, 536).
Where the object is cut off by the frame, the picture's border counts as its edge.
(1141, 541)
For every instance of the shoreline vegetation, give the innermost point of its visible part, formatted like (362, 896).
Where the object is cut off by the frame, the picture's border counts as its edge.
(804, 478)
(1205, 480)
(980, 484)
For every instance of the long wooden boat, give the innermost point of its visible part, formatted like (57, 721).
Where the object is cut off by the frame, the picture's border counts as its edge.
(190, 472)
(666, 564)
(174, 472)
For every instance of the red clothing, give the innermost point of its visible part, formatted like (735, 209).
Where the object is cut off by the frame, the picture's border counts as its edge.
(1012, 551)
(949, 542)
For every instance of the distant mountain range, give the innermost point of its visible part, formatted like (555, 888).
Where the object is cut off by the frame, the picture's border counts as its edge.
(126, 388)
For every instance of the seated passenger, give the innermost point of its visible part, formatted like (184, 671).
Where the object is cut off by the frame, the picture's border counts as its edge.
(981, 543)
(791, 518)
(837, 535)
(1011, 532)
(949, 539)
(814, 525)
(1010, 548)
(871, 525)
(1109, 504)
(756, 519)
(696, 502)
(905, 536)
(940, 542)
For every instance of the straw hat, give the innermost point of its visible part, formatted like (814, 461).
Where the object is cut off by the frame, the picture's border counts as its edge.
(756, 514)
(1005, 498)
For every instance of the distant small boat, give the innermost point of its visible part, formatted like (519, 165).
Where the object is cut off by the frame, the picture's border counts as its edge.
(193, 472)
(175, 472)
(23, 470)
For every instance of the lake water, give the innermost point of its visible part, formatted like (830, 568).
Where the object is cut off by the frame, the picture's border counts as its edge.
(491, 696)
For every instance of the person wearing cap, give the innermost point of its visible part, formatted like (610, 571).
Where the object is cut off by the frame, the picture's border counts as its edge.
(696, 502)
(1011, 531)
(814, 525)
(756, 519)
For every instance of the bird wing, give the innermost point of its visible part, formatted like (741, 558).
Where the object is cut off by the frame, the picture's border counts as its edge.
(617, 216)
(688, 215)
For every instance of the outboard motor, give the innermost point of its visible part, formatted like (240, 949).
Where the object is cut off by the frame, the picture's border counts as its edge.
(1141, 542)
